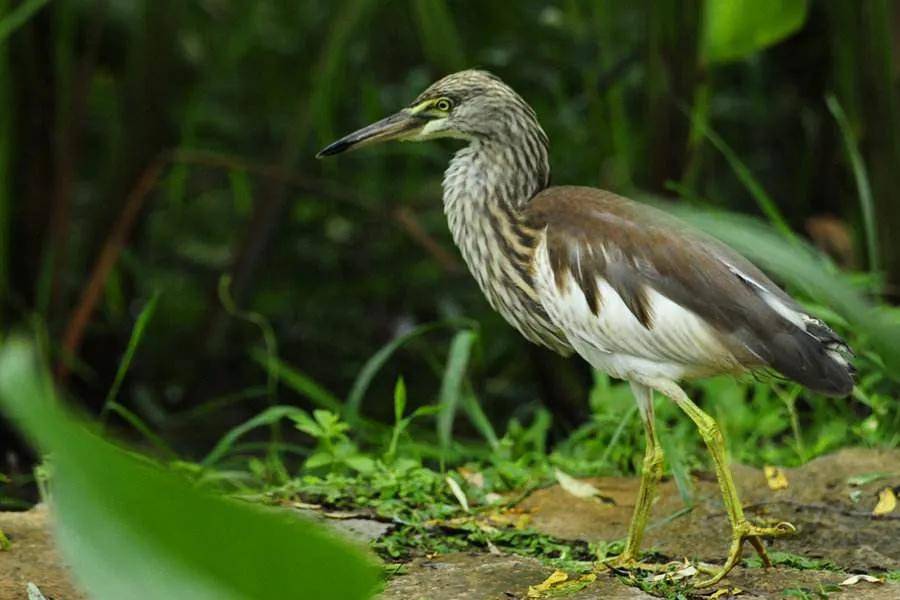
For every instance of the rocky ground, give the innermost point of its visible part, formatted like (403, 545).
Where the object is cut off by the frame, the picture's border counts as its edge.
(830, 501)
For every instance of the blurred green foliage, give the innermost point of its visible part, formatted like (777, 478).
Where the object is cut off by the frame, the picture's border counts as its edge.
(122, 519)
(184, 134)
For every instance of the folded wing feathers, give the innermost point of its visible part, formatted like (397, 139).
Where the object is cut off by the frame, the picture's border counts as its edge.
(597, 236)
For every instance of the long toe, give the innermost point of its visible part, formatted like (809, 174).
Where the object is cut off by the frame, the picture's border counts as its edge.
(752, 533)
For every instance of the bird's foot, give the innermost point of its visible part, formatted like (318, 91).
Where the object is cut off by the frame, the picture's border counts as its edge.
(628, 562)
(745, 530)
(671, 570)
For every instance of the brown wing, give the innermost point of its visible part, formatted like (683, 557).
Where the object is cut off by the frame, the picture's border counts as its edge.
(596, 235)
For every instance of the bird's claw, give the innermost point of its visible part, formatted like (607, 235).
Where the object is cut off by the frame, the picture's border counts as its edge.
(626, 564)
(753, 534)
(744, 531)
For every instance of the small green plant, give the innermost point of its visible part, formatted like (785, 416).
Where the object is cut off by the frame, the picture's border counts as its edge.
(794, 561)
(333, 447)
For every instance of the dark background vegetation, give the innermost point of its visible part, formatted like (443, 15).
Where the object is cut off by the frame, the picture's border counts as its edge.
(153, 146)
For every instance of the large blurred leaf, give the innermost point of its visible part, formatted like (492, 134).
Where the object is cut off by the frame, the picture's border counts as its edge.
(132, 530)
(733, 29)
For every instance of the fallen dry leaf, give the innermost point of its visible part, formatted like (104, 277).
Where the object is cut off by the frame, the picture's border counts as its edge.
(854, 579)
(458, 493)
(579, 489)
(866, 478)
(687, 571)
(493, 498)
(775, 477)
(555, 578)
(473, 478)
(726, 592)
(34, 593)
(510, 518)
(887, 502)
(339, 515)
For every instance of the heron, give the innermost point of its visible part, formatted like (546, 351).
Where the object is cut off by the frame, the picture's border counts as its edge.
(634, 291)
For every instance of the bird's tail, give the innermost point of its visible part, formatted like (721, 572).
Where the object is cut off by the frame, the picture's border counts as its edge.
(814, 356)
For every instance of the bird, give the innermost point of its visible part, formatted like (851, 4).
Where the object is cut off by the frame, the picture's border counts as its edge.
(635, 292)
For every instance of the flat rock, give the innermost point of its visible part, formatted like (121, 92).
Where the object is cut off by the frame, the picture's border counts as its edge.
(817, 501)
(354, 527)
(470, 576)
(465, 576)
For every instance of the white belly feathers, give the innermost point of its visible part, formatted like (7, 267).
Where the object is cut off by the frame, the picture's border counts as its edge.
(679, 344)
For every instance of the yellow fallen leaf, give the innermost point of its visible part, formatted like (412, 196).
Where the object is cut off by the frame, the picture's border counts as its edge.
(555, 578)
(775, 477)
(887, 502)
(511, 518)
(726, 593)
(854, 579)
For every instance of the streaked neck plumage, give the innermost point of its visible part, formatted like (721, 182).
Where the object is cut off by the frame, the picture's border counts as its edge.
(486, 190)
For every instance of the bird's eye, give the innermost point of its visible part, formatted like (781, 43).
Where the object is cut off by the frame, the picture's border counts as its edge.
(443, 105)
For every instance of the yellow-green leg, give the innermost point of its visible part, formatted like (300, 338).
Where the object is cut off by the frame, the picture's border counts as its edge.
(741, 528)
(650, 476)
(4, 541)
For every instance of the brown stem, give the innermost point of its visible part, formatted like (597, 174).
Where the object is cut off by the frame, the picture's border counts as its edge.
(109, 255)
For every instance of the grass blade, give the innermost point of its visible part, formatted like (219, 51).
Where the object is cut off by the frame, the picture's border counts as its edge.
(451, 386)
(9, 23)
(374, 364)
(864, 190)
(270, 416)
(479, 420)
(135, 421)
(297, 380)
(137, 332)
(759, 194)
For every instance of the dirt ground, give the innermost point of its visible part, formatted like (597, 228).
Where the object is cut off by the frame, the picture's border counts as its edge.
(832, 512)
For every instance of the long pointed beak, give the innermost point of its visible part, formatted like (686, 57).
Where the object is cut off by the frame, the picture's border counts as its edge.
(396, 126)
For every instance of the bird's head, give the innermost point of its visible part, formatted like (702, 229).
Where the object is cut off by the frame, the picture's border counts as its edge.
(469, 105)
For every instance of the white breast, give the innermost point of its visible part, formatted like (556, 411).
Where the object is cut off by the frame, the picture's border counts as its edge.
(678, 345)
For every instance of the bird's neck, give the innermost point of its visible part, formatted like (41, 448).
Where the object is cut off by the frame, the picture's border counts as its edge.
(486, 189)
(488, 184)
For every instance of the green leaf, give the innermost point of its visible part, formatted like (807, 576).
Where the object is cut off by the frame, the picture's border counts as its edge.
(399, 399)
(122, 519)
(863, 188)
(271, 415)
(451, 386)
(734, 29)
(137, 332)
(437, 31)
(307, 425)
(18, 17)
(295, 379)
(319, 459)
(374, 364)
(360, 463)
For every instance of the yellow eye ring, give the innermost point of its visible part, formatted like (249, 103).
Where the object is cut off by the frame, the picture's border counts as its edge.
(443, 105)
